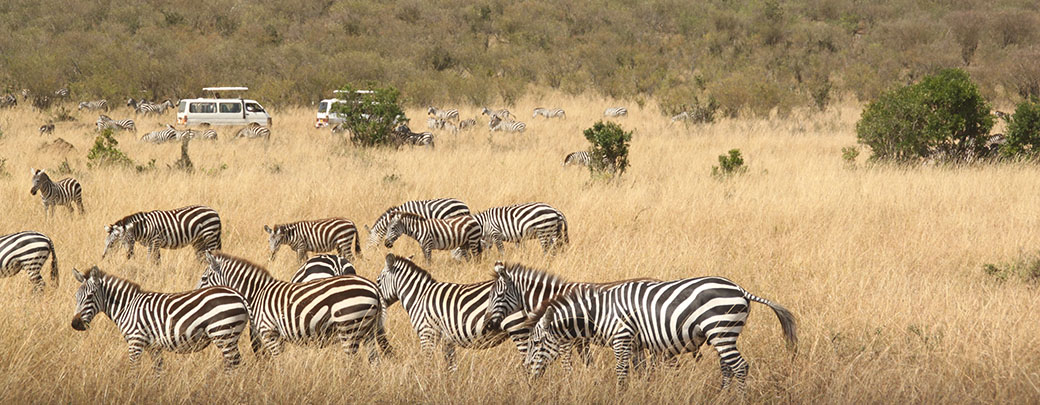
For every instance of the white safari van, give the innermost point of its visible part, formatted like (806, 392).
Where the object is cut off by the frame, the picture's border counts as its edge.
(218, 110)
(325, 116)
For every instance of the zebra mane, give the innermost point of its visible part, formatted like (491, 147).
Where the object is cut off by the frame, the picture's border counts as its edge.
(246, 263)
(397, 263)
(129, 218)
(406, 214)
(519, 271)
(95, 272)
(546, 309)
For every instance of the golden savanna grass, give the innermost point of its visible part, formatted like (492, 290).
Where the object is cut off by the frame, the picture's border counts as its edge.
(881, 265)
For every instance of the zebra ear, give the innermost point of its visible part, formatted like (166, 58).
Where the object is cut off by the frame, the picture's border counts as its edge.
(79, 276)
(268, 229)
(500, 268)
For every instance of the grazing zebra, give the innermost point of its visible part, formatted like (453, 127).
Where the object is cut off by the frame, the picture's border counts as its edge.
(168, 134)
(438, 208)
(549, 113)
(208, 134)
(149, 108)
(497, 124)
(104, 122)
(47, 128)
(319, 311)
(683, 116)
(62, 92)
(8, 100)
(446, 313)
(63, 192)
(434, 123)
(195, 225)
(580, 158)
(518, 222)
(254, 130)
(414, 138)
(442, 234)
(492, 114)
(615, 112)
(1002, 115)
(319, 236)
(467, 123)
(97, 105)
(27, 251)
(179, 322)
(444, 115)
(323, 266)
(668, 318)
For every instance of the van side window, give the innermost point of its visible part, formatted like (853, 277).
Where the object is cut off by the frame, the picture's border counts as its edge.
(230, 107)
(253, 107)
(203, 108)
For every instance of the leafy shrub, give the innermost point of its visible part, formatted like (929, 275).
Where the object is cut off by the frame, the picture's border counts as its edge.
(849, 155)
(371, 117)
(729, 164)
(609, 147)
(106, 153)
(1023, 131)
(943, 116)
(1026, 269)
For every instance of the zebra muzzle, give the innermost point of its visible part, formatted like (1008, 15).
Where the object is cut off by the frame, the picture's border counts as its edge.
(78, 324)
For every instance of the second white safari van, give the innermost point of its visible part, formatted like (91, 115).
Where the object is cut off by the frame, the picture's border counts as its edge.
(218, 110)
(325, 116)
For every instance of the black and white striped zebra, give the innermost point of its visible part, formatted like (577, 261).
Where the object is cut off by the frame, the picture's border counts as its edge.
(62, 192)
(254, 130)
(47, 128)
(323, 266)
(96, 105)
(615, 112)
(683, 116)
(319, 236)
(549, 113)
(27, 251)
(8, 100)
(467, 124)
(519, 222)
(441, 234)
(579, 158)
(497, 124)
(105, 122)
(449, 114)
(196, 225)
(153, 109)
(502, 114)
(447, 314)
(207, 134)
(667, 318)
(179, 322)
(168, 134)
(347, 308)
(437, 208)
(62, 92)
(414, 138)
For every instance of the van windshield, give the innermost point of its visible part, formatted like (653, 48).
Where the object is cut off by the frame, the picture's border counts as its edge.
(254, 107)
(323, 107)
(181, 106)
(230, 107)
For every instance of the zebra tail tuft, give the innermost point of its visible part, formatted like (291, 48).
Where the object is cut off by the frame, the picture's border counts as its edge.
(787, 321)
(357, 244)
(54, 266)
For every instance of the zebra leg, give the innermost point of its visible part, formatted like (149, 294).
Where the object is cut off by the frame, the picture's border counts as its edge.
(35, 279)
(157, 365)
(272, 343)
(348, 339)
(134, 350)
(623, 355)
(427, 254)
(301, 255)
(449, 357)
(582, 345)
(565, 355)
(79, 202)
(228, 346)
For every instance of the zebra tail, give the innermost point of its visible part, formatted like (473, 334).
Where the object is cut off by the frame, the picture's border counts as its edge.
(380, 333)
(54, 266)
(787, 322)
(357, 244)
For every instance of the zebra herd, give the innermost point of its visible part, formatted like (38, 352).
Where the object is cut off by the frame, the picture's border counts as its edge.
(326, 301)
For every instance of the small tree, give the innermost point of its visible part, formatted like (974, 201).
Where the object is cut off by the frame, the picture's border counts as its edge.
(105, 152)
(609, 147)
(370, 116)
(942, 116)
(1023, 130)
(729, 164)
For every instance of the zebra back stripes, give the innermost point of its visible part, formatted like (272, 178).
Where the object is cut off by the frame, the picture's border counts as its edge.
(668, 318)
(519, 222)
(437, 208)
(164, 135)
(549, 113)
(147, 108)
(321, 235)
(492, 114)
(450, 114)
(194, 225)
(615, 112)
(104, 122)
(580, 158)
(498, 124)
(254, 130)
(96, 105)
(442, 234)
(8, 100)
(344, 307)
(181, 322)
(467, 123)
(323, 266)
(27, 251)
(63, 192)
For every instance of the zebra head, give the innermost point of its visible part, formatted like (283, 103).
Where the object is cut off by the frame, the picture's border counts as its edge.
(212, 276)
(387, 280)
(543, 346)
(504, 298)
(116, 233)
(394, 230)
(38, 179)
(89, 298)
(276, 238)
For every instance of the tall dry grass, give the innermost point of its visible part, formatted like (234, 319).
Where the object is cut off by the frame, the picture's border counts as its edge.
(881, 265)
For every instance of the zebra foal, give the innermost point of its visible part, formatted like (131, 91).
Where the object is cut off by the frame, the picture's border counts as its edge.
(28, 251)
(549, 113)
(437, 208)
(441, 234)
(63, 192)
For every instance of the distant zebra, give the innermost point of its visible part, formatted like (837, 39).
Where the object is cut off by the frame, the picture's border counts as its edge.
(668, 318)
(492, 114)
(580, 158)
(8, 100)
(549, 113)
(433, 123)
(414, 138)
(438, 208)
(196, 225)
(319, 236)
(153, 109)
(519, 222)
(104, 122)
(467, 124)
(446, 114)
(615, 112)
(97, 105)
(28, 251)
(683, 116)
(168, 134)
(179, 322)
(208, 134)
(62, 92)
(441, 234)
(1002, 115)
(26, 93)
(319, 311)
(63, 192)
(507, 126)
(47, 128)
(323, 266)
(254, 130)
(441, 313)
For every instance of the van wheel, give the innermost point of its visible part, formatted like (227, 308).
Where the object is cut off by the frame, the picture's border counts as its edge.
(204, 125)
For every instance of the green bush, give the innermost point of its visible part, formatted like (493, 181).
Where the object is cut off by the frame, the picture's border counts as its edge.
(105, 152)
(729, 164)
(1023, 131)
(943, 116)
(609, 147)
(371, 117)
(1026, 268)
(849, 155)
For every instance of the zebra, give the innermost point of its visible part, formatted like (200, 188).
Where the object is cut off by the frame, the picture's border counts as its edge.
(1002, 115)
(47, 128)
(615, 112)
(149, 108)
(467, 123)
(414, 138)
(254, 130)
(549, 113)
(444, 115)
(97, 105)
(62, 92)
(321, 235)
(345, 307)
(195, 225)
(668, 318)
(434, 123)
(323, 266)
(28, 250)
(683, 116)
(497, 124)
(438, 208)
(104, 122)
(580, 158)
(168, 134)
(518, 222)
(180, 322)
(63, 192)
(492, 114)
(446, 313)
(442, 234)
(8, 100)
(208, 134)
